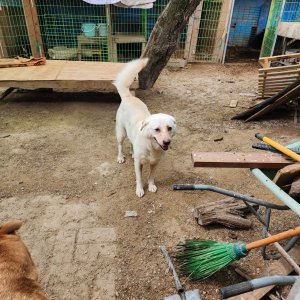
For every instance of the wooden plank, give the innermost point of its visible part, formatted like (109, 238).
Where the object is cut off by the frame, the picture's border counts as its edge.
(278, 267)
(296, 72)
(33, 28)
(239, 160)
(285, 98)
(222, 30)
(278, 79)
(280, 57)
(192, 34)
(275, 69)
(276, 85)
(3, 51)
(290, 30)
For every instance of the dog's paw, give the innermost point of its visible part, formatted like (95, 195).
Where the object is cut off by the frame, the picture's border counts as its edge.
(140, 192)
(152, 188)
(121, 159)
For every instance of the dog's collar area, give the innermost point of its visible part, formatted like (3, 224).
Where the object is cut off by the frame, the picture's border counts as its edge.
(160, 144)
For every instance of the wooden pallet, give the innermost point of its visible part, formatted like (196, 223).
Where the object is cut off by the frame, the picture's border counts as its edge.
(271, 80)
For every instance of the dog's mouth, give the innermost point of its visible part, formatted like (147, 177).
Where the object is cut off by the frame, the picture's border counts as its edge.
(164, 147)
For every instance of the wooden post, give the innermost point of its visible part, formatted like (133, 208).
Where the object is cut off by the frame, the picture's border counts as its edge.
(222, 30)
(3, 51)
(3, 46)
(33, 28)
(112, 50)
(192, 34)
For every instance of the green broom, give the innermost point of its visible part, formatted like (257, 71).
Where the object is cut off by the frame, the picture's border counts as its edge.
(200, 259)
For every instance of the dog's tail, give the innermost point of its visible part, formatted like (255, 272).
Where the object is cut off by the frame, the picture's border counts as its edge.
(10, 227)
(126, 77)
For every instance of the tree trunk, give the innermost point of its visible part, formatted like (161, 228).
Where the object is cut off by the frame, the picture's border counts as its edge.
(164, 37)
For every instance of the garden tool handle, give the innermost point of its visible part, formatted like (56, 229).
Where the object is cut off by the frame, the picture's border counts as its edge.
(274, 238)
(279, 147)
(178, 285)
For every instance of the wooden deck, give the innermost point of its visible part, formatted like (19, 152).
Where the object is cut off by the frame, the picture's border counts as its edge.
(81, 75)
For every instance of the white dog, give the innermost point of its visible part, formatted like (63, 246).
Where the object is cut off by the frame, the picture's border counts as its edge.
(150, 135)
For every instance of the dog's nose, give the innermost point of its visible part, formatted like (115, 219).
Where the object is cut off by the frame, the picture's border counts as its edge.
(166, 142)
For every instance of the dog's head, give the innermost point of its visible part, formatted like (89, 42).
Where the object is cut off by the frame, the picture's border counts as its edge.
(161, 128)
(18, 274)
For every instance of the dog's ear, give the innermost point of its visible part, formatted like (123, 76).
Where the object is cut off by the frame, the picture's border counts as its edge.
(144, 124)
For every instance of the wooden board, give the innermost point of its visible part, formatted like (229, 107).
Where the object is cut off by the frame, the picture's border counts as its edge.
(64, 74)
(239, 160)
(192, 34)
(33, 28)
(289, 29)
(279, 267)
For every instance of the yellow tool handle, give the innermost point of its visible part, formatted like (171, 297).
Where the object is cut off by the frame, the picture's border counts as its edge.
(274, 238)
(279, 147)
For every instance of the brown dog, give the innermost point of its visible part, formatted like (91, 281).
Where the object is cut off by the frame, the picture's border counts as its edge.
(18, 275)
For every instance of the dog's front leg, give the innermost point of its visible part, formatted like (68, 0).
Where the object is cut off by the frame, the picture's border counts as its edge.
(138, 174)
(151, 185)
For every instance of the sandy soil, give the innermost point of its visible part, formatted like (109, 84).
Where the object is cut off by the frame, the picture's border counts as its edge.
(59, 173)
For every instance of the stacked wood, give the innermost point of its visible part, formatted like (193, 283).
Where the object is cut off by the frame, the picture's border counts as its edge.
(271, 80)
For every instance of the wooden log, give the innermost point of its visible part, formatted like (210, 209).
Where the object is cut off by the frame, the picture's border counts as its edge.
(286, 175)
(239, 160)
(228, 212)
(295, 188)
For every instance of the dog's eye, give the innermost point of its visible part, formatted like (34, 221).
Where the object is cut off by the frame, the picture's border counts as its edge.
(157, 129)
(169, 128)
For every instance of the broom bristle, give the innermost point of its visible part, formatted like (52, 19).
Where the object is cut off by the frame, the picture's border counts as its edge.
(200, 259)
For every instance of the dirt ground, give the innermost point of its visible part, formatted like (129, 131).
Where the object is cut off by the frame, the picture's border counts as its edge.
(59, 173)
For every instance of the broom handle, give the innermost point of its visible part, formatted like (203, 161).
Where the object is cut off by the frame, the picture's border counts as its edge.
(279, 147)
(274, 238)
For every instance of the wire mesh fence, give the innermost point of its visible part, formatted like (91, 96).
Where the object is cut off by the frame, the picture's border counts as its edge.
(243, 25)
(13, 32)
(210, 26)
(76, 30)
(73, 30)
(291, 11)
